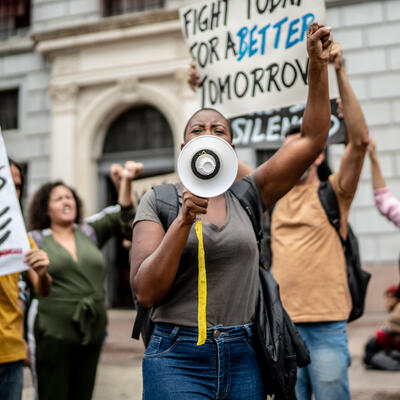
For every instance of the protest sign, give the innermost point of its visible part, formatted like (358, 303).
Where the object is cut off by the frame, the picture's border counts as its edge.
(266, 129)
(251, 54)
(13, 238)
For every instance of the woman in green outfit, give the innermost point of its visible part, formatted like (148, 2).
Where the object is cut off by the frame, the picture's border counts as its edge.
(66, 329)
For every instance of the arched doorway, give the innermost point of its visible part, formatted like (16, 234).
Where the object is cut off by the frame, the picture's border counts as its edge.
(143, 134)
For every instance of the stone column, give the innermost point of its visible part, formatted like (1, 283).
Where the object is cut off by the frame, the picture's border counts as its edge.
(63, 132)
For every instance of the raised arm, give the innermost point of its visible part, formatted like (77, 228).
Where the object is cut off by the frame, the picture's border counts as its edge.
(282, 171)
(128, 174)
(114, 219)
(356, 127)
(155, 254)
(387, 205)
(378, 182)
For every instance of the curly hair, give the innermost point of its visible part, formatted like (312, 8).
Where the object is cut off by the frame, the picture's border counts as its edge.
(38, 209)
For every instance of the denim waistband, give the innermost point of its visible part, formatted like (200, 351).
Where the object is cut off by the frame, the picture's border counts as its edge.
(237, 331)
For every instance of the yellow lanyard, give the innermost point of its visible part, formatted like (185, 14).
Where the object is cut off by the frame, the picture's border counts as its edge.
(202, 287)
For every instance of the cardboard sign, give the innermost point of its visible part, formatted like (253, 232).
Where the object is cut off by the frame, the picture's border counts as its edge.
(266, 129)
(251, 54)
(13, 237)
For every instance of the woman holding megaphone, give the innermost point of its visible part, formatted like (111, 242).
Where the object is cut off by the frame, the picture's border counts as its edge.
(198, 355)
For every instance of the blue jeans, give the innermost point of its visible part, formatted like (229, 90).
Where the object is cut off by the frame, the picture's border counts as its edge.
(326, 376)
(226, 366)
(11, 380)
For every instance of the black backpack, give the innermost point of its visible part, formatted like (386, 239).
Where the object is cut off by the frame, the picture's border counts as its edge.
(281, 346)
(357, 278)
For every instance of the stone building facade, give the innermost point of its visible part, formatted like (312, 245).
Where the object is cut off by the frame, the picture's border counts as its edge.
(80, 76)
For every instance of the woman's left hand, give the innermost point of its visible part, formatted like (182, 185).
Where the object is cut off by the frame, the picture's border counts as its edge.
(38, 260)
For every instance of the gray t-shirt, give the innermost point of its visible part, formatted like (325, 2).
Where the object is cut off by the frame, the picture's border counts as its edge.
(231, 258)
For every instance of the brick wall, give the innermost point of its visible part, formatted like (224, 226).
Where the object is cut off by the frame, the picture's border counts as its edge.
(370, 36)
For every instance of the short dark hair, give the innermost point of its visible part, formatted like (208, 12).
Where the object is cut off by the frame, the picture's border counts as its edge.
(207, 109)
(21, 174)
(38, 209)
(324, 170)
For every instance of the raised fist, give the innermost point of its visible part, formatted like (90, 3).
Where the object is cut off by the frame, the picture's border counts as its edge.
(319, 42)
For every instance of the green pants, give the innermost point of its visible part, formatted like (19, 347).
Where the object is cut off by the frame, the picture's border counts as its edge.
(65, 371)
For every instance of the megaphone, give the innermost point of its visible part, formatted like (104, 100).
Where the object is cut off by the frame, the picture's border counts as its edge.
(207, 166)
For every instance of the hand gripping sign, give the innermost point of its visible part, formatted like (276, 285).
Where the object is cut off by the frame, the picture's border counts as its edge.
(13, 238)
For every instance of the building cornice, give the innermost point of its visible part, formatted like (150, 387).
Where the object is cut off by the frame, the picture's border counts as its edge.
(122, 27)
(120, 22)
(107, 30)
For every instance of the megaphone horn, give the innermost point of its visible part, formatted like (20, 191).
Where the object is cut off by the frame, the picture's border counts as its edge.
(207, 166)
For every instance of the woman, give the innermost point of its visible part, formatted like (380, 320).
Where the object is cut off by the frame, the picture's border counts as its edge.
(389, 338)
(387, 205)
(164, 264)
(70, 323)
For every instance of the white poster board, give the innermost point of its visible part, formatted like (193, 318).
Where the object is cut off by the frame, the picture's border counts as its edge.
(251, 54)
(13, 237)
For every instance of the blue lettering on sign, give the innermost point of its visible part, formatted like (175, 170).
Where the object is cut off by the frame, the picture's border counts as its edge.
(292, 31)
(254, 41)
(307, 20)
(278, 25)
(263, 33)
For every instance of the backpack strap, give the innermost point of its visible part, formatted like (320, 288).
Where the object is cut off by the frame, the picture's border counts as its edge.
(142, 317)
(245, 193)
(329, 203)
(167, 203)
(90, 232)
(268, 237)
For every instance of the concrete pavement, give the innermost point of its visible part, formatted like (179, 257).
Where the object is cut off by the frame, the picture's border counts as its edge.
(119, 373)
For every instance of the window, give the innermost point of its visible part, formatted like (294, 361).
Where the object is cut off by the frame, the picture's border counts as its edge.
(139, 128)
(15, 17)
(117, 7)
(9, 109)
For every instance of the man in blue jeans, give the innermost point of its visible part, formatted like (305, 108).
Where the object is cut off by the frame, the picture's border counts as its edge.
(308, 259)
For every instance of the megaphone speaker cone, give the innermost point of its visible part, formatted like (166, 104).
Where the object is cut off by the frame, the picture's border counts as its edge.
(207, 166)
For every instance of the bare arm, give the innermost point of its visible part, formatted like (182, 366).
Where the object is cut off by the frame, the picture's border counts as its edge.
(243, 170)
(356, 128)
(281, 172)
(37, 274)
(378, 182)
(127, 175)
(155, 254)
